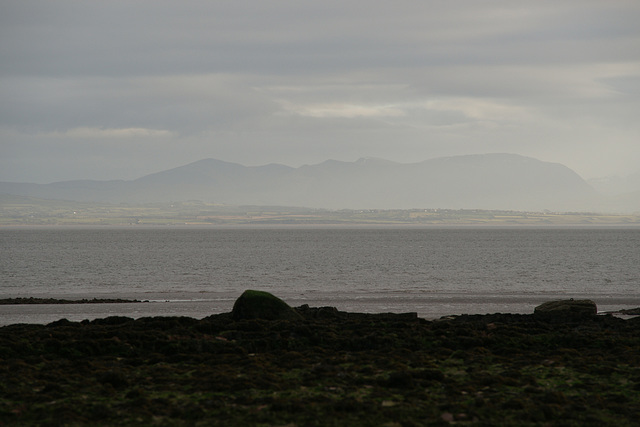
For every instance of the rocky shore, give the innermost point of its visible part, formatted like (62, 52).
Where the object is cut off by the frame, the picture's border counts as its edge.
(269, 364)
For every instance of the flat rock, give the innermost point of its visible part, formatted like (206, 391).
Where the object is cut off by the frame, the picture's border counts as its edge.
(568, 307)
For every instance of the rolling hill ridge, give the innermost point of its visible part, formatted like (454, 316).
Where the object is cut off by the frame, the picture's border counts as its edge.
(487, 181)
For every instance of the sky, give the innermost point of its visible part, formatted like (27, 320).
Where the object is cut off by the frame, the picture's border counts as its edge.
(119, 89)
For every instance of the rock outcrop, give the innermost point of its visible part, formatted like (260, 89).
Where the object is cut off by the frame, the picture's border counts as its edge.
(568, 307)
(262, 305)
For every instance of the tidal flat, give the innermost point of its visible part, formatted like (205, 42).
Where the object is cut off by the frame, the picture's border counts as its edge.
(324, 368)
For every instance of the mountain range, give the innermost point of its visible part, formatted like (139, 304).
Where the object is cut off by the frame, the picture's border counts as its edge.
(485, 181)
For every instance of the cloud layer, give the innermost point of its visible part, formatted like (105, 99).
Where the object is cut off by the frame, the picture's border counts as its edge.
(123, 88)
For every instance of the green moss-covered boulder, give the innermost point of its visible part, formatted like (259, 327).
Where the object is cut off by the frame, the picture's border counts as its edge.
(568, 307)
(262, 305)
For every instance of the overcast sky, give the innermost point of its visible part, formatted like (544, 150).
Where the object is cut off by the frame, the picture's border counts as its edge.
(119, 89)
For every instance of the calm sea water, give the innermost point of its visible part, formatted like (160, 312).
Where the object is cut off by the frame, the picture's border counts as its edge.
(201, 271)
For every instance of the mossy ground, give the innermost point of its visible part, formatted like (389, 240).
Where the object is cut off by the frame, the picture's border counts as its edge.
(331, 368)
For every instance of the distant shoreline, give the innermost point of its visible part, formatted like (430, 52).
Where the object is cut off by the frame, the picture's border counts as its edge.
(21, 212)
(31, 300)
(392, 219)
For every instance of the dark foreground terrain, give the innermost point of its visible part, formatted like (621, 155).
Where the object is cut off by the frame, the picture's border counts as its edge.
(324, 368)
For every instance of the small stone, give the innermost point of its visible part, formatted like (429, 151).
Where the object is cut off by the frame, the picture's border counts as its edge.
(447, 417)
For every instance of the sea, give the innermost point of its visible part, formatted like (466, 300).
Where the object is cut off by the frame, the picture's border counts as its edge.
(200, 271)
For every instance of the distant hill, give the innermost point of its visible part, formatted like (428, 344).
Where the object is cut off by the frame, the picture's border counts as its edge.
(488, 181)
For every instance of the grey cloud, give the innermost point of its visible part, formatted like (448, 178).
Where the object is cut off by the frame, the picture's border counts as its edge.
(146, 38)
(298, 82)
(182, 104)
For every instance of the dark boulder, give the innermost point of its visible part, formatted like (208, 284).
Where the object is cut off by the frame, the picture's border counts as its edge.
(568, 307)
(262, 305)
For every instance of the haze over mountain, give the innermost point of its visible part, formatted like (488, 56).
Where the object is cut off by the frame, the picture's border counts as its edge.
(616, 185)
(488, 181)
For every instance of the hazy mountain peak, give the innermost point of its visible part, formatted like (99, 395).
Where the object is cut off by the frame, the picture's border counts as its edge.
(483, 181)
